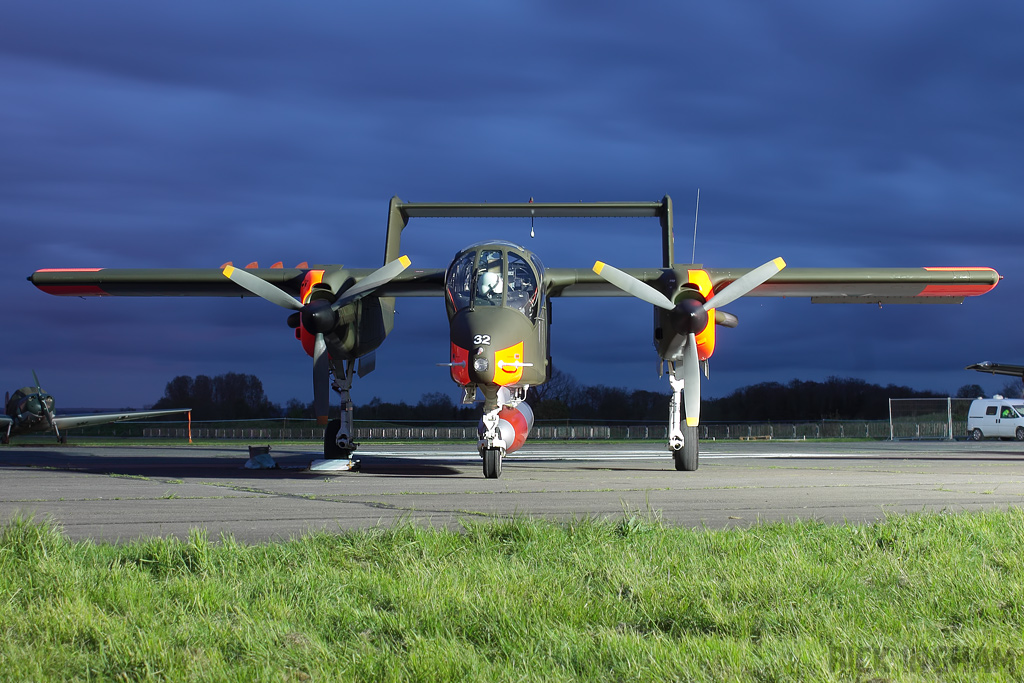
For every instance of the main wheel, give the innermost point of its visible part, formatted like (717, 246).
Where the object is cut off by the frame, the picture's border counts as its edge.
(976, 435)
(492, 462)
(1020, 434)
(688, 457)
(331, 449)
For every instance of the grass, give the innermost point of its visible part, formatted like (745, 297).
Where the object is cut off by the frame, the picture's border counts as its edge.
(918, 597)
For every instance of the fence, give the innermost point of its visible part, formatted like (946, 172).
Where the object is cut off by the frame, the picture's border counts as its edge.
(928, 418)
(301, 430)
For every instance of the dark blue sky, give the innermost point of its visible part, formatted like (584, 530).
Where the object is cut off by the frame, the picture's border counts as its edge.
(188, 134)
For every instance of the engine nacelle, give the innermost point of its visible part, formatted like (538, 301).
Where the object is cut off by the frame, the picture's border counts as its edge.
(514, 424)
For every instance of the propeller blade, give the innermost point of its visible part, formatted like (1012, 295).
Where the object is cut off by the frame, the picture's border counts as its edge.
(261, 288)
(725, 319)
(691, 381)
(321, 380)
(743, 285)
(630, 285)
(44, 407)
(381, 276)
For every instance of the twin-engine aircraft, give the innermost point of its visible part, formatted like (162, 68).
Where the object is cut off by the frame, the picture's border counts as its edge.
(30, 410)
(498, 299)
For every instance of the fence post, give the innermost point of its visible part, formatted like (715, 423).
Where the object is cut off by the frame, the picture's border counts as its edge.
(949, 415)
(892, 431)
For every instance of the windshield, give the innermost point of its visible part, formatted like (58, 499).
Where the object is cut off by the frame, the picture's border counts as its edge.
(493, 274)
(522, 285)
(490, 283)
(1019, 408)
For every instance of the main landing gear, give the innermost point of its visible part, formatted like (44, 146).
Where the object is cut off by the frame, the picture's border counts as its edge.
(682, 441)
(339, 441)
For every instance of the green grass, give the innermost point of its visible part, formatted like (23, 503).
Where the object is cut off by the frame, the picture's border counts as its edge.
(915, 598)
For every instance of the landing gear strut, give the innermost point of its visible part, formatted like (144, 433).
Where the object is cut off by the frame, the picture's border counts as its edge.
(339, 441)
(490, 445)
(683, 445)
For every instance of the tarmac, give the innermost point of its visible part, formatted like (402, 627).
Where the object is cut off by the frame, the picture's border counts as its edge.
(111, 494)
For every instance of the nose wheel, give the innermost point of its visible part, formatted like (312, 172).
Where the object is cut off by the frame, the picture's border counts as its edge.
(687, 456)
(492, 462)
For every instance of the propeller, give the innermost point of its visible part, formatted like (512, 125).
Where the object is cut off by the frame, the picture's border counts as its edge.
(41, 397)
(689, 316)
(318, 317)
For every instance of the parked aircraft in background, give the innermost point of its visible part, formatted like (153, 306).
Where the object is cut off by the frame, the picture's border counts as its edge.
(998, 368)
(498, 300)
(31, 410)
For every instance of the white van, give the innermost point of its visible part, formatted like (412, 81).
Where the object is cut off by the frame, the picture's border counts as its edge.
(997, 417)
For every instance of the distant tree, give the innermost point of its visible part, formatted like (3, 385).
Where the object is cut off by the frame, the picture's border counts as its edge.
(970, 391)
(561, 387)
(231, 396)
(1013, 389)
(554, 399)
(836, 398)
(296, 409)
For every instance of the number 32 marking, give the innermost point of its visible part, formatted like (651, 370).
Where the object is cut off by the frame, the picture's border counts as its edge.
(482, 340)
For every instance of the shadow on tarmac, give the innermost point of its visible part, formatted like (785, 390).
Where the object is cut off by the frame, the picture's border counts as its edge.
(196, 462)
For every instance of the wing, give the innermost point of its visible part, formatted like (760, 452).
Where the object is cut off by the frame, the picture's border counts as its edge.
(821, 285)
(211, 281)
(72, 421)
(5, 422)
(998, 368)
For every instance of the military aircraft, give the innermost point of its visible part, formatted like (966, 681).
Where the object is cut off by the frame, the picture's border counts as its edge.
(998, 368)
(30, 409)
(498, 299)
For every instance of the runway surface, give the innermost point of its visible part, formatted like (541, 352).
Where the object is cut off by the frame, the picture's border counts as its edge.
(121, 493)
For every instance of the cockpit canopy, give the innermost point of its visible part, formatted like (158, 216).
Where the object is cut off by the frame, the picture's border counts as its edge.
(494, 274)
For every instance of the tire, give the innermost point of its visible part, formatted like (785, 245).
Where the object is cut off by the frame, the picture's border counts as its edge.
(976, 434)
(1020, 434)
(331, 450)
(492, 463)
(688, 457)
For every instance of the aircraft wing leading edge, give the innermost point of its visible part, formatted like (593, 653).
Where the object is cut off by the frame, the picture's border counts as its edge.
(998, 368)
(821, 285)
(212, 282)
(72, 421)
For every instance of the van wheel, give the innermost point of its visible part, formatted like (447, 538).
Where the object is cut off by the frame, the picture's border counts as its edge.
(1020, 433)
(976, 435)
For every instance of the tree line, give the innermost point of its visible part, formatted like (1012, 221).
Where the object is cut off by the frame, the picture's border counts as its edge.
(235, 396)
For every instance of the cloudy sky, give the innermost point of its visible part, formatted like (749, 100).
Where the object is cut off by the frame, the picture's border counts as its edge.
(188, 134)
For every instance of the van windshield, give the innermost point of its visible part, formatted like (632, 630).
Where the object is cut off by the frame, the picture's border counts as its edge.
(1019, 407)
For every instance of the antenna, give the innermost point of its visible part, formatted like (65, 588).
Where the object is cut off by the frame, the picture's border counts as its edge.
(531, 219)
(693, 257)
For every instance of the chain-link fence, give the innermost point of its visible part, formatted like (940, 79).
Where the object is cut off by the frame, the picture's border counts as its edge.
(928, 418)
